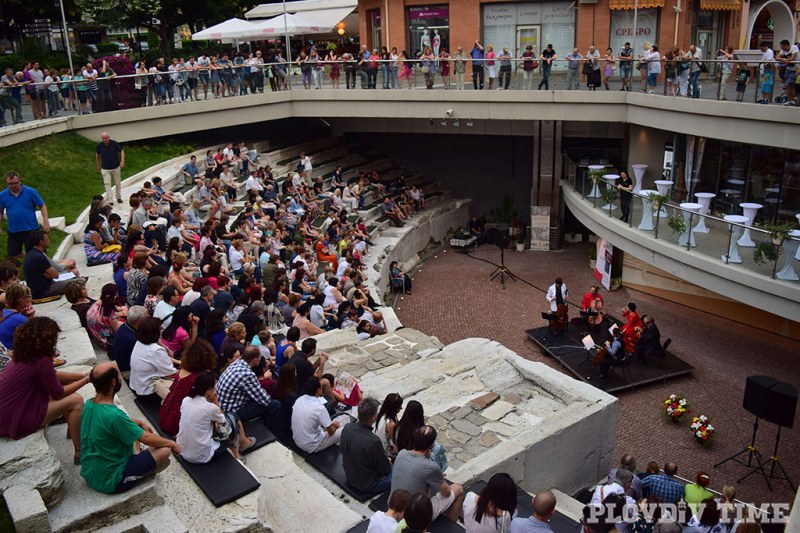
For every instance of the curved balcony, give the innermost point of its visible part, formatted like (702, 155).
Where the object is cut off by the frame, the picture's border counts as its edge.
(708, 260)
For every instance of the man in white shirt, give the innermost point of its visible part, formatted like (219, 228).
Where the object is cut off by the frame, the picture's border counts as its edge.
(166, 306)
(557, 294)
(386, 522)
(308, 167)
(620, 486)
(696, 54)
(254, 183)
(312, 428)
(343, 266)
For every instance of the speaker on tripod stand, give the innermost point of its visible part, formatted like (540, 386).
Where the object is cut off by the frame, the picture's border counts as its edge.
(776, 402)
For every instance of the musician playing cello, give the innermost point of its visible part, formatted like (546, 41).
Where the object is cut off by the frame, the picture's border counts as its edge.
(557, 296)
(615, 353)
(593, 302)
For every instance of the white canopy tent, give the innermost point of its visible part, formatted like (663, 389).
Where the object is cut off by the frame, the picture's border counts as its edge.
(270, 10)
(229, 31)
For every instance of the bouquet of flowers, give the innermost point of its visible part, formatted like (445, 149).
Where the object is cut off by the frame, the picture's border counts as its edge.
(702, 430)
(675, 407)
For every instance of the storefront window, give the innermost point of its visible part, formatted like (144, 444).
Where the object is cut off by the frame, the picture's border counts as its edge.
(540, 24)
(428, 26)
(622, 29)
(375, 34)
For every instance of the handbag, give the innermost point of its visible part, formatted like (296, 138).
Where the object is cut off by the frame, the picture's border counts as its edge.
(587, 69)
(426, 70)
(112, 249)
(222, 430)
(703, 67)
(534, 64)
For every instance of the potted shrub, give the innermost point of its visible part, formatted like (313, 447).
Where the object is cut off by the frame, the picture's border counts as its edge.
(766, 252)
(778, 232)
(677, 224)
(521, 241)
(593, 257)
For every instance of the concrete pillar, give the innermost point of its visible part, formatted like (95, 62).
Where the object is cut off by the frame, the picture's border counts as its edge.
(546, 163)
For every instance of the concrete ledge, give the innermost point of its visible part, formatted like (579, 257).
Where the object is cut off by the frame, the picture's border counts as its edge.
(27, 510)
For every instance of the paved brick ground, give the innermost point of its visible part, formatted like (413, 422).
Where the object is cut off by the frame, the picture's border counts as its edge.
(453, 299)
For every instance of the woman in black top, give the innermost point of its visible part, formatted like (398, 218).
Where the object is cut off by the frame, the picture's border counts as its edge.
(625, 186)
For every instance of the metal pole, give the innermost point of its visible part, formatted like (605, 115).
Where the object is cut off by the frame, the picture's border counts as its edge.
(286, 36)
(635, 17)
(66, 35)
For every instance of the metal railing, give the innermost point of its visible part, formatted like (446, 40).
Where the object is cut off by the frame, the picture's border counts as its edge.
(182, 85)
(739, 243)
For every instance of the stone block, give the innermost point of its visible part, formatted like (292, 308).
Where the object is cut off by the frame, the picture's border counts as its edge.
(27, 510)
(467, 427)
(501, 428)
(76, 348)
(484, 401)
(489, 439)
(31, 464)
(497, 411)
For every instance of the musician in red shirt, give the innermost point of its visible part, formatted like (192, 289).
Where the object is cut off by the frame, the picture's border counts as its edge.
(592, 300)
(632, 318)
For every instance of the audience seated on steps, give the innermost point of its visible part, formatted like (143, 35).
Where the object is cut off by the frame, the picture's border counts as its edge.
(544, 507)
(150, 361)
(387, 521)
(32, 393)
(44, 276)
(312, 427)
(413, 472)
(365, 462)
(18, 310)
(199, 357)
(205, 430)
(112, 459)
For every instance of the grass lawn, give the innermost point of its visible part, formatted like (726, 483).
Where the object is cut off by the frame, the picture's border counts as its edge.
(62, 168)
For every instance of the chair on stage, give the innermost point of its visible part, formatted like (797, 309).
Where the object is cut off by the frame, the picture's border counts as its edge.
(661, 353)
(624, 367)
(551, 317)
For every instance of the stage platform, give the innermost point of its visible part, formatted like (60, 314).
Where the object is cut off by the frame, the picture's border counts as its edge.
(568, 349)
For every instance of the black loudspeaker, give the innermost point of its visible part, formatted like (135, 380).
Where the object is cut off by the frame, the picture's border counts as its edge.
(770, 399)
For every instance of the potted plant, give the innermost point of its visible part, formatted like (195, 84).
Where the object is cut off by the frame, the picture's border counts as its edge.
(521, 241)
(676, 407)
(677, 224)
(778, 232)
(505, 213)
(766, 252)
(657, 200)
(702, 430)
(593, 257)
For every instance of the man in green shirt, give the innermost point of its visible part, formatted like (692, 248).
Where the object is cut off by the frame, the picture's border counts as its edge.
(111, 457)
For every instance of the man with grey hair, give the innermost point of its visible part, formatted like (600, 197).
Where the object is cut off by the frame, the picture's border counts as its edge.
(365, 463)
(125, 339)
(110, 160)
(628, 462)
(667, 525)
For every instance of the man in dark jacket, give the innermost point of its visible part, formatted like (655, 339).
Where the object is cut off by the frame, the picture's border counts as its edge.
(365, 463)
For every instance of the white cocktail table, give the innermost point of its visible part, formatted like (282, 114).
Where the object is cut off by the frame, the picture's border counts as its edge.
(704, 199)
(664, 187)
(647, 210)
(611, 184)
(749, 210)
(595, 192)
(733, 251)
(638, 173)
(789, 250)
(687, 238)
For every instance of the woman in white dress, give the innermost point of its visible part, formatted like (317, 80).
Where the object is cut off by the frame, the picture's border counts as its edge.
(491, 511)
(387, 421)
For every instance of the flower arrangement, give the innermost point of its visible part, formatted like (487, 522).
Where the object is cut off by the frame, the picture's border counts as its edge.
(675, 407)
(702, 430)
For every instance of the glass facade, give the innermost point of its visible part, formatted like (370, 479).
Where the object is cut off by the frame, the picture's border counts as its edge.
(739, 173)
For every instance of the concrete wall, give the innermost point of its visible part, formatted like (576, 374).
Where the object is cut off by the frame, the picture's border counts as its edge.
(718, 120)
(646, 147)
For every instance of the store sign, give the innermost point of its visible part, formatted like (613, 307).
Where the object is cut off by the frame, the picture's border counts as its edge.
(622, 30)
(416, 13)
(528, 14)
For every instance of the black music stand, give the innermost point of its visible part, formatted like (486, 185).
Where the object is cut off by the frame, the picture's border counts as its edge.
(549, 317)
(502, 271)
(586, 315)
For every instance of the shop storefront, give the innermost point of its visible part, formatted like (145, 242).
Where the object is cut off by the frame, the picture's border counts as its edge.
(428, 26)
(622, 29)
(519, 25)
(374, 18)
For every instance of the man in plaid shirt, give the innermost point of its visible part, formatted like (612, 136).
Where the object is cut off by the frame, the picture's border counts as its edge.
(665, 486)
(240, 392)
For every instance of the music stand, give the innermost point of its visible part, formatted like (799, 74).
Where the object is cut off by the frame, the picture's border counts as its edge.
(502, 271)
(586, 315)
(549, 317)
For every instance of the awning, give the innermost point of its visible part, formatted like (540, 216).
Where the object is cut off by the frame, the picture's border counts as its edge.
(229, 30)
(721, 5)
(323, 21)
(630, 4)
(270, 10)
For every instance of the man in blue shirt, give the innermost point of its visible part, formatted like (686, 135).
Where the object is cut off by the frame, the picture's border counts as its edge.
(19, 202)
(615, 355)
(190, 171)
(477, 65)
(665, 486)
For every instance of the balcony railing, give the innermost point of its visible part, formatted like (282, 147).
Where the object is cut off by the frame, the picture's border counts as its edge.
(733, 240)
